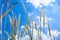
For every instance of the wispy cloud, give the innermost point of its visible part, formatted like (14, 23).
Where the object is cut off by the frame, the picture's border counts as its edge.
(40, 3)
(46, 20)
(54, 33)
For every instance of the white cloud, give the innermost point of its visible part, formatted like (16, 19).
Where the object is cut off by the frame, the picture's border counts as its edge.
(16, 37)
(51, 5)
(27, 37)
(22, 26)
(54, 33)
(37, 18)
(23, 38)
(46, 20)
(44, 36)
(39, 3)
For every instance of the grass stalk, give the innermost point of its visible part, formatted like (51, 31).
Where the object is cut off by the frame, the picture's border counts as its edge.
(24, 7)
(44, 18)
(14, 4)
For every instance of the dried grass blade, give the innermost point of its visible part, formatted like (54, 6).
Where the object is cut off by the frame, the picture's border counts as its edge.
(18, 19)
(49, 29)
(7, 34)
(41, 15)
(8, 10)
(24, 7)
(44, 18)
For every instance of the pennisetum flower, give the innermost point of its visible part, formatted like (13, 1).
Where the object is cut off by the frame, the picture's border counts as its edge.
(40, 15)
(18, 19)
(44, 18)
(7, 34)
(24, 7)
(40, 23)
(49, 29)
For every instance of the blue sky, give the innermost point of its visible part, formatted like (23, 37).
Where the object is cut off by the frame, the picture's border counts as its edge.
(52, 8)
